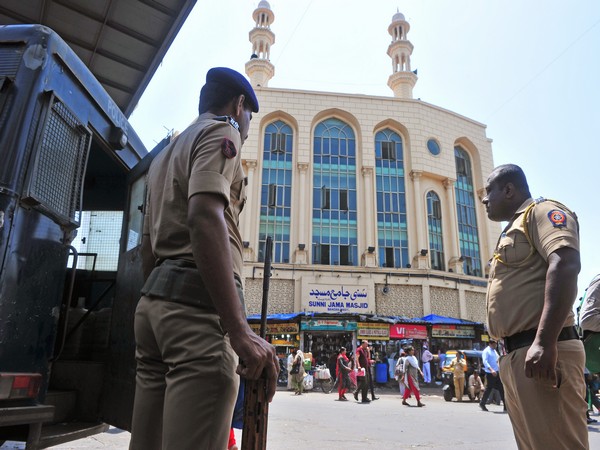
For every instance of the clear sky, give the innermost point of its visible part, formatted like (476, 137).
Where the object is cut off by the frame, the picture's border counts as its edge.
(529, 70)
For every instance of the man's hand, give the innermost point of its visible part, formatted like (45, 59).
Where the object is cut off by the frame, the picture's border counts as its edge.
(540, 363)
(258, 358)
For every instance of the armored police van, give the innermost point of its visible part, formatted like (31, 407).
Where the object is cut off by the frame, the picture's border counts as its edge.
(71, 209)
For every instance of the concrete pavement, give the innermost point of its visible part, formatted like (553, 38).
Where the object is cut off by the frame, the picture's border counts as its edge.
(318, 420)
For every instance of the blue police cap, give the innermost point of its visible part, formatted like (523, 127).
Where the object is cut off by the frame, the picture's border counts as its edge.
(233, 81)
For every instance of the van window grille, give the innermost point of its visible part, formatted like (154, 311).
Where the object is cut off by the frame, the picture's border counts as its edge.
(56, 181)
(10, 59)
(97, 240)
(6, 100)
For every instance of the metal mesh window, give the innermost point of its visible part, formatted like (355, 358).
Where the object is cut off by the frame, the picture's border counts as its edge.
(98, 240)
(63, 146)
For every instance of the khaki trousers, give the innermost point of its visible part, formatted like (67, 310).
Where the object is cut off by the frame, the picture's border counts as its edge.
(474, 393)
(186, 385)
(544, 417)
(459, 387)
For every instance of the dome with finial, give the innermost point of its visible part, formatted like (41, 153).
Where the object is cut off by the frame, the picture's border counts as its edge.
(264, 4)
(398, 16)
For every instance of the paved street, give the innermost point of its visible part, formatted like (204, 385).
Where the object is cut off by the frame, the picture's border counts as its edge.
(316, 420)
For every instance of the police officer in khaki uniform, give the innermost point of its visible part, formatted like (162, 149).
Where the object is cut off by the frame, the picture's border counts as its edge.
(190, 321)
(532, 287)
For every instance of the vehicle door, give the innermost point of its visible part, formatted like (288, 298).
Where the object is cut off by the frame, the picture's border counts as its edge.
(119, 379)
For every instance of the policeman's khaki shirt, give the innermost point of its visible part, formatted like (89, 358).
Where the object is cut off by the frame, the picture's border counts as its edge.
(515, 296)
(589, 316)
(194, 163)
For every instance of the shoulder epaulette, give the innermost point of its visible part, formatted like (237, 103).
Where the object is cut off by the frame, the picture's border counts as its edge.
(229, 120)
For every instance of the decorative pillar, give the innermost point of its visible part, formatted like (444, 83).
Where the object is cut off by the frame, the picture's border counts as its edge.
(454, 262)
(462, 302)
(426, 299)
(301, 253)
(249, 209)
(422, 260)
(369, 258)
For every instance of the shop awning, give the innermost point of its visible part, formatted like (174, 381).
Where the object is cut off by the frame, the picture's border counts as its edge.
(287, 316)
(361, 318)
(434, 318)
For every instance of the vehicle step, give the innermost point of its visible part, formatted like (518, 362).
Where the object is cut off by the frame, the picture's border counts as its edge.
(61, 433)
(64, 404)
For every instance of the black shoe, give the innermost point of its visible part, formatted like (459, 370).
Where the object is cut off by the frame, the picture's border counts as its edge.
(405, 403)
(590, 420)
(483, 408)
(366, 400)
(375, 398)
(356, 396)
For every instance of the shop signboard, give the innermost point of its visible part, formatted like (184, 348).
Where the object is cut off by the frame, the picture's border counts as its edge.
(277, 328)
(338, 298)
(408, 331)
(453, 331)
(376, 331)
(328, 325)
(283, 343)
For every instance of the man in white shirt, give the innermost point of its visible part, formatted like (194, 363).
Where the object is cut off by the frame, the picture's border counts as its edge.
(426, 358)
(290, 360)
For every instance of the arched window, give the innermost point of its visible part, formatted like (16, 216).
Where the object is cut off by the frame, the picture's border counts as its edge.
(466, 214)
(434, 225)
(392, 235)
(334, 195)
(276, 191)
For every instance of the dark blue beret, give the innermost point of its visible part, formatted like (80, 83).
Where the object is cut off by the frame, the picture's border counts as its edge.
(234, 81)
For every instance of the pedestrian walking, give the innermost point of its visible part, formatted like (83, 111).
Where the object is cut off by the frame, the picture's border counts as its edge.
(492, 376)
(342, 373)
(399, 372)
(411, 378)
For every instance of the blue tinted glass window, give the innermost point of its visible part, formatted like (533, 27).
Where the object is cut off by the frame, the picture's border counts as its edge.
(391, 201)
(276, 188)
(434, 225)
(466, 214)
(335, 240)
(433, 147)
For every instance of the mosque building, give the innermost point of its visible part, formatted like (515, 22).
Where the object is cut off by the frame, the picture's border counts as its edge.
(374, 207)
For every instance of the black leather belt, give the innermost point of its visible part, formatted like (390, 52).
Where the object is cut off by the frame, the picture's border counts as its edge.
(526, 338)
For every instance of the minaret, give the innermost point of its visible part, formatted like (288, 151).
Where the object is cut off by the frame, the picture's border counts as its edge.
(259, 69)
(402, 80)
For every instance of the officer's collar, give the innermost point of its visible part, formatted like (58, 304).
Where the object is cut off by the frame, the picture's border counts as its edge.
(230, 120)
(524, 206)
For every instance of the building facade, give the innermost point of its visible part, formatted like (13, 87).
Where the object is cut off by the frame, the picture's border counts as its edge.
(373, 203)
